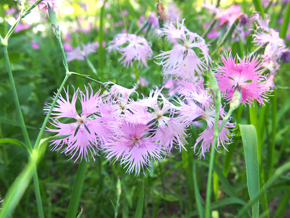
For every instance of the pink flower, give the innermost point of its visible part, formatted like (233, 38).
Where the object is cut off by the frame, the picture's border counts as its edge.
(182, 59)
(81, 53)
(133, 145)
(43, 5)
(132, 48)
(67, 47)
(88, 129)
(21, 26)
(34, 44)
(153, 20)
(275, 45)
(246, 74)
(173, 12)
(206, 138)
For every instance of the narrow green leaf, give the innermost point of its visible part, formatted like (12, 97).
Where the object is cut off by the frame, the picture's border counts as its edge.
(139, 210)
(284, 204)
(13, 141)
(241, 45)
(197, 193)
(284, 26)
(77, 190)
(279, 172)
(259, 7)
(250, 142)
(119, 190)
(20, 184)
(80, 214)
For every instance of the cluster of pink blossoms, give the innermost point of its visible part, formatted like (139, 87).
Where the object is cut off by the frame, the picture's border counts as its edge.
(81, 53)
(134, 132)
(275, 47)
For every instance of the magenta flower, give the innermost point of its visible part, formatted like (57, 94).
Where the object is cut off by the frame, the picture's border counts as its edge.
(81, 53)
(182, 59)
(206, 138)
(132, 48)
(133, 145)
(87, 130)
(34, 45)
(246, 73)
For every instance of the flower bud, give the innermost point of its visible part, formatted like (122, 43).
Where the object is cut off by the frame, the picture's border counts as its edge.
(285, 56)
(53, 21)
(236, 99)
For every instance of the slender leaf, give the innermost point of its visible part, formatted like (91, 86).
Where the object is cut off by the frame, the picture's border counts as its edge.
(250, 142)
(13, 141)
(77, 190)
(259, 7)
(139, 210)
(284, 26)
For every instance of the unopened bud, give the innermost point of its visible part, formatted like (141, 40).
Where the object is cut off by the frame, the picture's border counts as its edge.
(236, 100)
(285, 56)
(161, 11)
(212, 81)
(53, 21)
(243, 20)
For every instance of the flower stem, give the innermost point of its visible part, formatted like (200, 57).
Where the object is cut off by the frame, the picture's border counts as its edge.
(91, 66)
(23, 128)
(50, 110)
(211, 163)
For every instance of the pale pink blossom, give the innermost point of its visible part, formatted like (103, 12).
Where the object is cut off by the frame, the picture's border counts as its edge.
(88, 129)
(245, 73)
(81, 53)
(132, 48)
(182, 59)
(173, 12)
(206, 138)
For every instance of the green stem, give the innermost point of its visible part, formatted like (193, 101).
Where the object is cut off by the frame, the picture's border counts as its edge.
(215, 138)
(123, 18)
(63, 54)
(37, 194)
(50, 110)
(91, 66)
(101, 49)
(77, 190)
(16, 99)
(24, 130)
(209, 28)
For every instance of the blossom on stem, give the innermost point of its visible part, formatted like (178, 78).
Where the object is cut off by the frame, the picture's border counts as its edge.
(243, 72)
(132, 48)
(275, 45)
(182, 59)
(133, 145)
(86, 131)
(207, 136)
(81, 53)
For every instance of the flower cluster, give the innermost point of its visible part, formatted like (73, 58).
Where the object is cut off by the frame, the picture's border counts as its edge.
(132, 48)
(275, 47)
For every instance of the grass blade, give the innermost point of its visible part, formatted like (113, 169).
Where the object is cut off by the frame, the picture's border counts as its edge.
(77, 190)
(139, 210)
(13, 141)
(279, 172)
(250, 142)
(20, 184)
(259, 7)
(284, 26)
(197, 193)
(283, 205)
(119, 190)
